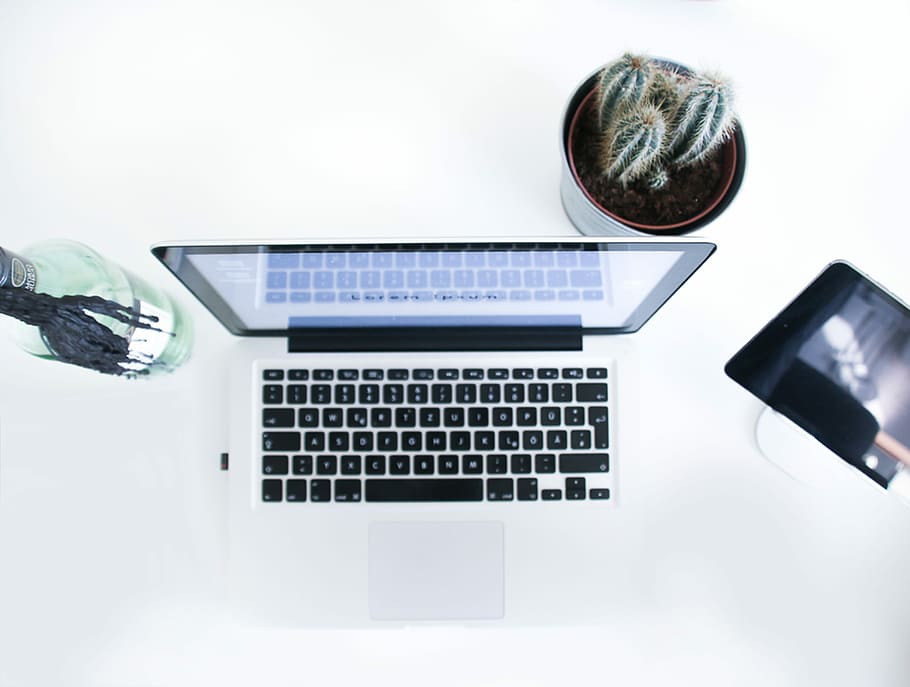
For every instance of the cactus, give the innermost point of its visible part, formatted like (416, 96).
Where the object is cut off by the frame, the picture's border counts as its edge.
(633, 147)
(703, 121)
(623, 85)
(663, 91)
(658, 179)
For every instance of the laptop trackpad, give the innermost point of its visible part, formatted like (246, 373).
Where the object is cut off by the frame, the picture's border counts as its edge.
(436, 570)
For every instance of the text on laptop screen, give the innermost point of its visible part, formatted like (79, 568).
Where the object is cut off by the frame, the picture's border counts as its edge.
(592, 285)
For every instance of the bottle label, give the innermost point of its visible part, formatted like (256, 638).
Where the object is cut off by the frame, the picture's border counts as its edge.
(16, 272)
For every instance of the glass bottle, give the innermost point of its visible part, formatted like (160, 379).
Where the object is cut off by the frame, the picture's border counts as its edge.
(62, 267)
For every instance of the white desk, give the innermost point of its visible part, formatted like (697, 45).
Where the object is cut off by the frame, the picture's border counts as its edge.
(120, 127)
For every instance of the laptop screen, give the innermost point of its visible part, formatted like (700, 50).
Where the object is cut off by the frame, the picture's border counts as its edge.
(274, 289)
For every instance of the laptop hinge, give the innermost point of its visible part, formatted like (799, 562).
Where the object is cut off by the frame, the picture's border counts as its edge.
(437, 339)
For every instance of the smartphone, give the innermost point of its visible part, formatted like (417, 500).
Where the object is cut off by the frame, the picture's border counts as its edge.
(836, 362)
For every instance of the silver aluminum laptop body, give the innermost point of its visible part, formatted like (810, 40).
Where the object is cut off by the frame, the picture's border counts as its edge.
(456, 309)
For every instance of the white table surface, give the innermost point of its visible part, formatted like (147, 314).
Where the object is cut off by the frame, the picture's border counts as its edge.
(127, 123)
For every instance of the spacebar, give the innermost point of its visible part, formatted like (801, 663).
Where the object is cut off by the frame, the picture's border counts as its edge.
(424, 490)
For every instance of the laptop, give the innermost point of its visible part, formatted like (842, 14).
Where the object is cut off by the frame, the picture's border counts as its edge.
(431, 432)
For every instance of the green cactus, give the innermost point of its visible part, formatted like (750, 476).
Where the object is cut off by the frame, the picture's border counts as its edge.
(623, 85)
(664, 91)
(635, 144)
(703, 121)
(658, 179)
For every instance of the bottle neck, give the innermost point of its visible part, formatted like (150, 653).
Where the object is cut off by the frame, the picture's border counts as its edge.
(16, 272)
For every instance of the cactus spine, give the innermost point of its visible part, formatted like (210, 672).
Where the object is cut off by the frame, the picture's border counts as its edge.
(635, 144)
(703, 121)
(623, 85)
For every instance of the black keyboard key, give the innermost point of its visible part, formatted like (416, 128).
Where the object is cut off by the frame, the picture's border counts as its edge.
(562, 393)
(472, 464)
(575, 415)
(368, 394)
(381, 417)
(326, 465)
(430, 417)
(324, 375)
(572, 373)
(281, 441)
(302, 465)
(393, 394)
(557, 440)
(532, 440)
(429, 489)
(296, 394)
(332, 417)
(350, 465)
(538, 393)
(527, 489)
(550, 416)
(362, 442)
(436, 441)
(597, 373)
(472, 374)
(398, 374)
(358, 417)
(418, 394)
(502, 417)
(460, 441)
(490, 393)
(448, 465)
(373, 375)
(344, 394)
(423, 465)
(348, 375)
(308, 417)
(484, 441)
(591, 391)
(320, 490)
(526, 417)
(422, 374)
(272, 394)
(453, 417)
(508, 440)
(387, 441)
(375, 465)
(478, 417)
(584, 462)
(447, 373)
(575, 488)
(599, 494)
(321, 394)
(523, 373)
(314, 441)
(298, 375)
(296, 490)
(411, 441)
(441, 394)
(597, 418)
(579, 439)
(405, 417)
(400, 465)
(496, 464)
(521, 464)
(272, 489)
(515, 393)
(277, 417)
(273, 375)
(348, 490)
(274, 465)
(500, 489)
(545, 463)
(548, 373)
(551, 495)
(465, 393)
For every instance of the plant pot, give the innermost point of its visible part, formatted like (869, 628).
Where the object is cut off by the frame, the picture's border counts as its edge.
(592, 218)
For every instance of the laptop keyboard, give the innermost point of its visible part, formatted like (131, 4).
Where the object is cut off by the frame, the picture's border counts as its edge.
(434, 435)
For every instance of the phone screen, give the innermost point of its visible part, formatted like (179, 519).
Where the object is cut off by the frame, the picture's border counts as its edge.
(836, 361)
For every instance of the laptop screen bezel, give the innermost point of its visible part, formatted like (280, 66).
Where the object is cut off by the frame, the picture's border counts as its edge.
(693, 254)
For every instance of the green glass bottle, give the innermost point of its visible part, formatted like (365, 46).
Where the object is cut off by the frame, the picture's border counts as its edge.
(63, 267)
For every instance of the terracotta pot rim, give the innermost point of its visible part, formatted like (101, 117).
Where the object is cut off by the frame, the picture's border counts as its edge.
(730, 175)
